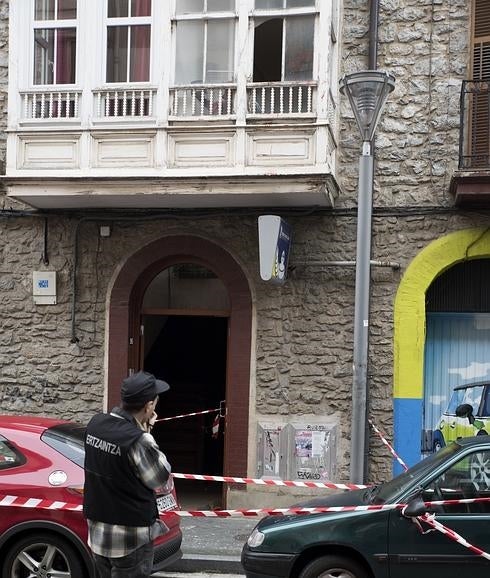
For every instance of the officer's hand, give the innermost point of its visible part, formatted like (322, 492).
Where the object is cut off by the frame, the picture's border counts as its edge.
(153, 419)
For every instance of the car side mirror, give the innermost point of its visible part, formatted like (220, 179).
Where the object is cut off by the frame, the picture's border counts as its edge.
(415, 507)
(465, 410)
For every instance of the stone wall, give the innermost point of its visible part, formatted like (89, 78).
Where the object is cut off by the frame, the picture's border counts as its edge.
(304, 329)
(425, 45)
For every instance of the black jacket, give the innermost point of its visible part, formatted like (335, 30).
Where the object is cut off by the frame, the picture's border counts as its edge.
(113, 493)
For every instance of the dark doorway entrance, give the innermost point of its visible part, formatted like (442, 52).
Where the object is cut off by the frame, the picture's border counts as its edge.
(186, 276)
(190, 353)
(187, 346)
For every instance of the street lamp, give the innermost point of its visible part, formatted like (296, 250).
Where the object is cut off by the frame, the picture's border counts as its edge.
(367, 93)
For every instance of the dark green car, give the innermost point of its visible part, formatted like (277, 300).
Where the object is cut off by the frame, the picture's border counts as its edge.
(385, 543)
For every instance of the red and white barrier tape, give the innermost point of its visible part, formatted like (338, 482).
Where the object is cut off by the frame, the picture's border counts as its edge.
(275, 511)
(188, 414)
(430, 520)
(24, 502)
(261, 482)
(389, 446)
(318, 510)
(38, 503)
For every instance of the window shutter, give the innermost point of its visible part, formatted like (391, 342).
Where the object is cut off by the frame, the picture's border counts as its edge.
(479, 109)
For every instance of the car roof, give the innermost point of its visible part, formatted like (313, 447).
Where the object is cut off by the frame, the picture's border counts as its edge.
(475, 440)
(479, 383)
(34, 424)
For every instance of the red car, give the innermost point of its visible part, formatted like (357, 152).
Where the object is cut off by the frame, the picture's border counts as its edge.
(43, 458)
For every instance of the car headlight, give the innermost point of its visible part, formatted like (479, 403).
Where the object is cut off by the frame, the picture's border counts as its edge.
(255, 539)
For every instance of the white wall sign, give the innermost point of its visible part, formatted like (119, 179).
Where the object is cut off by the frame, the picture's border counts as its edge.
(274, 247)
(44, 287)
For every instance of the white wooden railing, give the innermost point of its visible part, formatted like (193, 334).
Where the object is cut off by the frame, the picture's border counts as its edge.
(124, 103)
(210, 100)
(50, 104)
(281, 98)
(197, 101)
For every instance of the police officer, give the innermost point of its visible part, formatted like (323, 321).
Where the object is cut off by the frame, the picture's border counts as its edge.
(123, 467)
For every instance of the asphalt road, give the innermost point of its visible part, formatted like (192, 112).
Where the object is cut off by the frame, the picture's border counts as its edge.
(211, 547)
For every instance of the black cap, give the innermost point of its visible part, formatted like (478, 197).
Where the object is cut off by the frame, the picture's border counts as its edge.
(142, 387)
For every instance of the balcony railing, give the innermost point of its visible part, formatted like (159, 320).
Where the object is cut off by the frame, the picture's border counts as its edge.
(280, 98)
(50, 104)
(217, 100)
(124, 103)
(474, 136)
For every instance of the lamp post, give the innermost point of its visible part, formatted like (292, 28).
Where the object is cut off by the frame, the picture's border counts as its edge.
(367, 93)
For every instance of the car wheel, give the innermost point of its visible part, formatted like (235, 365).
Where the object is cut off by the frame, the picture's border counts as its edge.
(480, 471)
(438, 442)
(42, 555)
(333, 567)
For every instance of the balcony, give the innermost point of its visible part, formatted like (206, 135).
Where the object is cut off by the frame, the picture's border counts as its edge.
(263, 144)
(470, 185)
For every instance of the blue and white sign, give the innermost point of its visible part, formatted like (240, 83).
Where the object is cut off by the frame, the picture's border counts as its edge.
(274, 248)
(44, 287)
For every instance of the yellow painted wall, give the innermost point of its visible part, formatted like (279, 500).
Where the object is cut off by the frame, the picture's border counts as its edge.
(409, 312)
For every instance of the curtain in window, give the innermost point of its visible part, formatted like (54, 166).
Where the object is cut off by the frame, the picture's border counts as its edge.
(67, 9)
(139, 67)
(140, 7)
(66, 51)
(141, 39)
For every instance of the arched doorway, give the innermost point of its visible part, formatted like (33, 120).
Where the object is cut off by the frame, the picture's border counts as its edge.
(132, 301)
(410, 331)
(456, 363)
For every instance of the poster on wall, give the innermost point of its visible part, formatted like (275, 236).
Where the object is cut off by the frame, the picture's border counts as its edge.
(456, 379)
(268, 451)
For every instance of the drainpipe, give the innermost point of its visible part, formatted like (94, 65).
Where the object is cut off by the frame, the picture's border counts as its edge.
(373, 35)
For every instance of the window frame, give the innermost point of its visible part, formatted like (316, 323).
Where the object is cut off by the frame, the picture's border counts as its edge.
(53, 24)
(284, 14)
(204, 16)
(127, 21)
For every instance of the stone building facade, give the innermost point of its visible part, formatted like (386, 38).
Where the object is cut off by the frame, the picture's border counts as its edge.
(55, 359)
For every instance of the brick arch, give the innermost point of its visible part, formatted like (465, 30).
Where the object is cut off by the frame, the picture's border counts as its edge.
(125, 305)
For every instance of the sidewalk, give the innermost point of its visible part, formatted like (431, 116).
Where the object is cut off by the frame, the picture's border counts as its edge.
(213, 544)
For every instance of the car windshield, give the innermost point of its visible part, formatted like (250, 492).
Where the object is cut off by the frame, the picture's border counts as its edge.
(67, 439)
(471, 395)
(398, 485)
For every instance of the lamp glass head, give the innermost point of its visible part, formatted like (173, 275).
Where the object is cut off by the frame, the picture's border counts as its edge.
(367, 93)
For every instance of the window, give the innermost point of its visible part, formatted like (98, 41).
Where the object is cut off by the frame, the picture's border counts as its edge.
(283, 43)
(186, 286)
(68, 440)
(205, 41)
(55, 41)
(128, 40)
(9, 455)
(466, 479)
